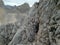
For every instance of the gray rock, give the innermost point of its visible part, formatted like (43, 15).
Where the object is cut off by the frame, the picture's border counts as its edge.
(40, 27)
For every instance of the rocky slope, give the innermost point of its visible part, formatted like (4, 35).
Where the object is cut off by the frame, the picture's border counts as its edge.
(40, 27)
(11, 14)
(24, 8)
(11, 19)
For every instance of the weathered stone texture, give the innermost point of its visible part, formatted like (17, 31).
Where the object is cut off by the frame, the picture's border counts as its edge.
(40, 27)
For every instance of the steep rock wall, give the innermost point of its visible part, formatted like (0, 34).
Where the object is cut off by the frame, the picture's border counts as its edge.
(42, 25)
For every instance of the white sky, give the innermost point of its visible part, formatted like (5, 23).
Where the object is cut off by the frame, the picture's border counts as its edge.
(19, 2)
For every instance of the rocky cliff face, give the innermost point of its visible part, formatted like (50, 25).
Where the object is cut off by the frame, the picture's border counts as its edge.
(40, 27)
(43, 25)
(49, 22)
